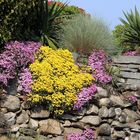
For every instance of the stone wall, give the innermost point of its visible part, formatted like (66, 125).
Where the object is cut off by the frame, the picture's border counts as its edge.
(111, 116)
(130, 70)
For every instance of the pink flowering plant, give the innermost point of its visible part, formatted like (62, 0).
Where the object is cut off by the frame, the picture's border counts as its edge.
(132, 99)
(130, 53)
(14, 60)
(87, 134)
(85, 96)
(97, 61)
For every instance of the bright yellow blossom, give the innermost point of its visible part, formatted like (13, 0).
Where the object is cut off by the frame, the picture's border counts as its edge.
(57, 79)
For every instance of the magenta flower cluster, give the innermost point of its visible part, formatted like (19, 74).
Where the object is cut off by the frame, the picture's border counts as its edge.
(130, 53)
(85, 96)
(87, 134)
(132, 99)
(97, 61)
(15, 58)
(25, 81)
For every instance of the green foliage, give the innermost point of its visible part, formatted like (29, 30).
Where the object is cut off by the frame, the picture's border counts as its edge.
(17, 19)
(83, 34)
(48, 17)
(117, 33)
(131, 34)
(29, 20)
(70, 10)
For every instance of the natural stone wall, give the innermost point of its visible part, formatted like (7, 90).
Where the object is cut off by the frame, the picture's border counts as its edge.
(111, 116)
(130, 70)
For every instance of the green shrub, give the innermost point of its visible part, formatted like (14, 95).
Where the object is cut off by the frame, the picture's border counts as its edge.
(83, 34)
(117, 33)
(29, 20)
(17, 19)
(131, 34)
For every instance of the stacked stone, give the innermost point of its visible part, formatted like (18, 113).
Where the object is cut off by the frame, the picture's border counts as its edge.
(129, 70)
(112, 117)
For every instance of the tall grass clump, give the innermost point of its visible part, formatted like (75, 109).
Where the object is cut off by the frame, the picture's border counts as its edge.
(83, 34)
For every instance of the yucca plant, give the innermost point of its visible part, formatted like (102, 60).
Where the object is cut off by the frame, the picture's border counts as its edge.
(131, 33)
(47, 16)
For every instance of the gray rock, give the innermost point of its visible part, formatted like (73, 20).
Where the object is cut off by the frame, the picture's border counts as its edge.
(10, 118)
(25, 105)
(69, 117)
(12, 103)
(50, 126)
(3, 121)
(118, 111)
(25, 138)
(130, 75)
(127, 60)
(23, 117)
(41, 137)
(118, 134)
(4, 131)
(133, 82)
(132, 116)
(3, 137)
(131, 87)
(135, 130)
(104, 102)
(78, 124)
(117, 101)
(118, 125)
(40, 114)
(138, 104)
(122, 118)
(24, 125)
(121, 80)
(135, 136)
(128, 69)
(33, 124)
(112, 112)
(80, 113)
(102, 92)
(104, 130)
(15, 128)
(104, 138)
(103, 112)
(92, 110)
(28, 132)
(3, 110)
(67, 123)
(58, 138)
(69, 130)
(93, 120)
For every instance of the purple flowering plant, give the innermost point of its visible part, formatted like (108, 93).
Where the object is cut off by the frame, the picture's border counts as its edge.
(132, 98)
(15, 59)
(87, 134)
(85, 96)
(130, 53)
(97, 61)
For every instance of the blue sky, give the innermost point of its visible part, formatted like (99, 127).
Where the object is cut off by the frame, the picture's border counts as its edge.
(109, 10)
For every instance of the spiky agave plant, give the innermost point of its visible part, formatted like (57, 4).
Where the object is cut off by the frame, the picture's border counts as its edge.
(131, 34)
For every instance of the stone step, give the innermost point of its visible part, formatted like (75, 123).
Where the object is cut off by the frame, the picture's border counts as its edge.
(127, 60)
(130, 75)
(134, 66)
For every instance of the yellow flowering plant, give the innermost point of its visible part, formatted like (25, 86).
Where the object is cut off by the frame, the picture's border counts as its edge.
(56, 80)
